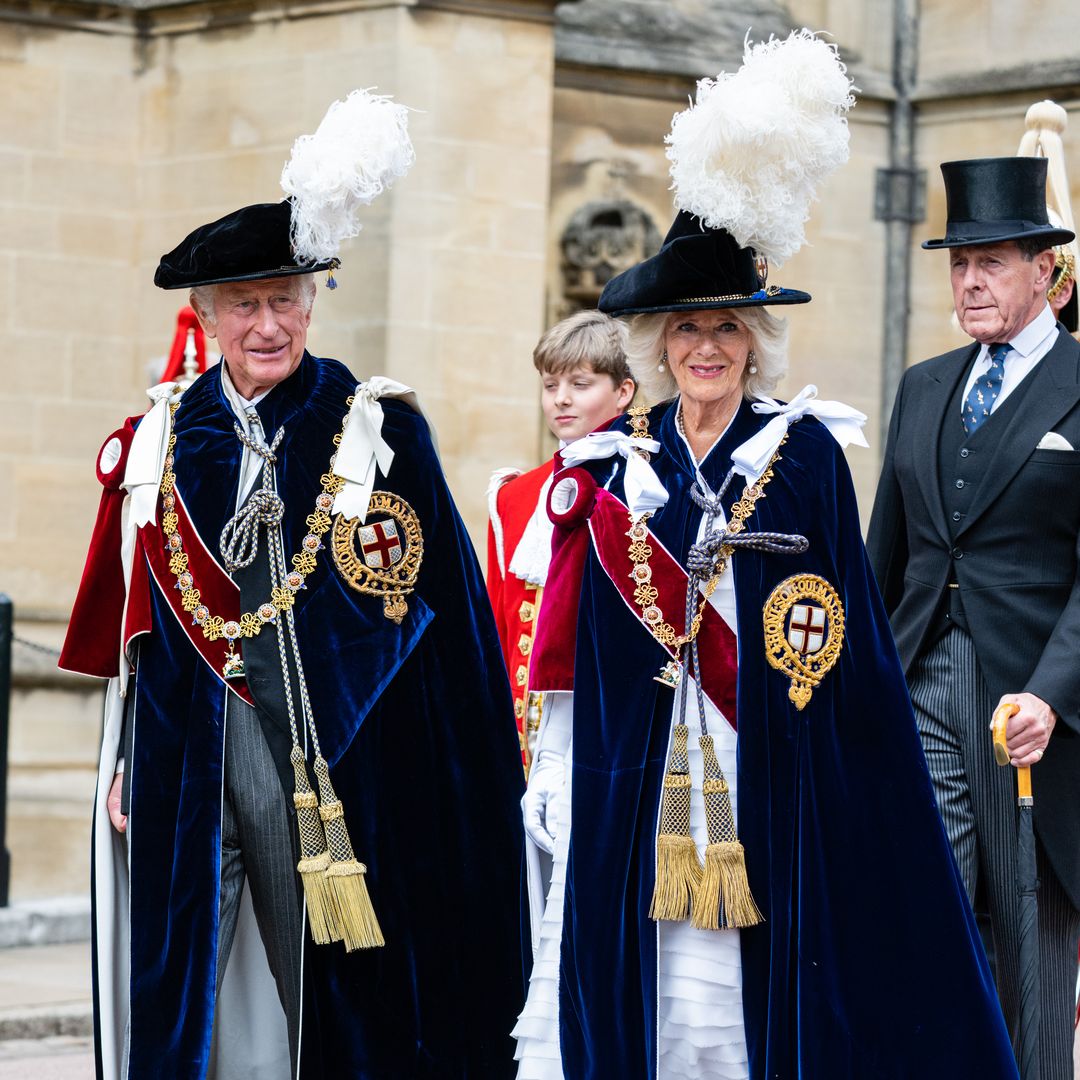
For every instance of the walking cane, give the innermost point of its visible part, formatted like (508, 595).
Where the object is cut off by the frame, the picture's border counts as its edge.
(1027, 887)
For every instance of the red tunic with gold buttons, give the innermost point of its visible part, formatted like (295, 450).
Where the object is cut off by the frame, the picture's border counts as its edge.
(513, 498)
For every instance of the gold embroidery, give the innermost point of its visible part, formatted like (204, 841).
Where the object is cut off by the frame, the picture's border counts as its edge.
(521, 675)
(525, 644)
(527, 611)
(805, 647)
(392, 577)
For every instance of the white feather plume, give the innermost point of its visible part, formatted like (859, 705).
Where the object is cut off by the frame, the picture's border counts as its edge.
(361, 147)
(749, 155)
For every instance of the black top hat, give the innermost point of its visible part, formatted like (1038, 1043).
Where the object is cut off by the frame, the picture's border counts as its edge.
(991, 200)
(246, 245)
(696, 268)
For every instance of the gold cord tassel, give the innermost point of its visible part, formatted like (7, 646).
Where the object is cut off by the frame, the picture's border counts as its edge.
(345, 874)
(678, 869)
(323, 918)
(723, 898)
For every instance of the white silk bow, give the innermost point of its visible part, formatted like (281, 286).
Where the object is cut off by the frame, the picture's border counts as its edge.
(146, 458)
(644, 492)
(362, 446)
(844, 424)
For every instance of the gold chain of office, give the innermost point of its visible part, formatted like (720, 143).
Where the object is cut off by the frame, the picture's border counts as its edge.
(250, 623)
(645, 593)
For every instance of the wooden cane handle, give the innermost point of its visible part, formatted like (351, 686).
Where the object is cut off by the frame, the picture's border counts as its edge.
(1002, 714)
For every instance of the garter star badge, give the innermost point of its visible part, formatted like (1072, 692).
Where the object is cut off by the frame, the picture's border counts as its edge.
(804, 632)
(382, 556)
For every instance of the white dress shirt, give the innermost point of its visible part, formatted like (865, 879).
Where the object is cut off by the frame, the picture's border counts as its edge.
(1025, 351)
(250, 464)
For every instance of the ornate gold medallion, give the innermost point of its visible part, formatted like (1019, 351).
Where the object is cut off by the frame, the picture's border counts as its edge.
(381, 556)
(804, 632)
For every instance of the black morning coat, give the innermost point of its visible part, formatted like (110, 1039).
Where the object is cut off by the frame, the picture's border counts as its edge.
(1015, 555)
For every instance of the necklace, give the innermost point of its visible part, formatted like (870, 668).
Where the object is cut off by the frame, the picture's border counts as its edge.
(282, 595)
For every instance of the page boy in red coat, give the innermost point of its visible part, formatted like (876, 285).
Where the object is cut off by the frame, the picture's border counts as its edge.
(584, 382)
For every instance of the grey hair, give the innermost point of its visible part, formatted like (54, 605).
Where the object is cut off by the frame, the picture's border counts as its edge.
(768, 339)
(203, 297)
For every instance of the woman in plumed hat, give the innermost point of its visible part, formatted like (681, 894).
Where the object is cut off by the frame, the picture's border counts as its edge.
(750, 875)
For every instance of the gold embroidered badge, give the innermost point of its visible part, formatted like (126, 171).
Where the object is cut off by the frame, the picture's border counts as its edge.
(381, 556)
(804, 632)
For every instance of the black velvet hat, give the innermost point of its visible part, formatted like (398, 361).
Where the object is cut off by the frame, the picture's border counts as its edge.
(695, 269)
(250, 243)
(991, 200)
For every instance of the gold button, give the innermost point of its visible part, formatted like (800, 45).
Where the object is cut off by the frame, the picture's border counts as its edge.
(519, 708)
(521, 675)
(525, 644)
(527, 611)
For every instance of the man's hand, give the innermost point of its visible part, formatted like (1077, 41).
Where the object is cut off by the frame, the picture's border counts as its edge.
(1028, 732)
(119, 820)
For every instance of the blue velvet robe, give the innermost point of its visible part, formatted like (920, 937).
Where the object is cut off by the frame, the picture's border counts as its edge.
(417, 725)
(868, 964)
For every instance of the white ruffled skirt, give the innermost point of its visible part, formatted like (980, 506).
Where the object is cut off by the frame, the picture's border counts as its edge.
(700, 1034)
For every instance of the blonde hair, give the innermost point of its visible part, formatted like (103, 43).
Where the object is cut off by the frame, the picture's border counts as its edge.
(768, 339)
(586, 337)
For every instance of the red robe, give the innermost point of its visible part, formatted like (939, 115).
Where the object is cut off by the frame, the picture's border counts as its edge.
(514, 601)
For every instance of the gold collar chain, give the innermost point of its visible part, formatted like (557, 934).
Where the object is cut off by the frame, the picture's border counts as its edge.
(640, 551)
(304, 561)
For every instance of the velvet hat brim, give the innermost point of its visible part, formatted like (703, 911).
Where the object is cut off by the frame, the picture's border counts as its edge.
(696, 269)
(994, 200)
(247, 245)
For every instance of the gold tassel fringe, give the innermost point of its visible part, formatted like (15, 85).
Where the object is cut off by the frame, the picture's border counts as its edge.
(345, 875)
(678, 872)
(723, 898)
(678, 869)
(323, 918)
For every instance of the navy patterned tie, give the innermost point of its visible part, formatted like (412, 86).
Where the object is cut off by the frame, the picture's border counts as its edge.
(985, 390)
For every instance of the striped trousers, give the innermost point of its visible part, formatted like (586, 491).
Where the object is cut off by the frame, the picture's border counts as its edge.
(977, 800)
(257, 838)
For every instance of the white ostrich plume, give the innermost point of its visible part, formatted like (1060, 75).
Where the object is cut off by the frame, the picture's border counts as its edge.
(361, 147)
(749, 155)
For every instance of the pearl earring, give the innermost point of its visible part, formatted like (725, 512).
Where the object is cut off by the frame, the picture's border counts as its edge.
(663, 358)
(752, 360)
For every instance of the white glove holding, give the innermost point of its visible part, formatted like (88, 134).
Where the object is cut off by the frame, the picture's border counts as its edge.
(548, 774)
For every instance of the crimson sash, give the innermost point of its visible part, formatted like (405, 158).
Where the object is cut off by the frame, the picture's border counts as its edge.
(217, 590)
(718, 649)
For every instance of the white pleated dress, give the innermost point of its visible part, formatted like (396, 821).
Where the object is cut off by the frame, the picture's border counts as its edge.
(700, 1032)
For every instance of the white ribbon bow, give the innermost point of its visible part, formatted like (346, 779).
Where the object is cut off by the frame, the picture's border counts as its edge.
(362, 446)
(146, 458)
(844, 424)
(644, 492)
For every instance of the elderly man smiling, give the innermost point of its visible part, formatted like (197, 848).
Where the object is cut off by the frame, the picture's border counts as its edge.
(974, 540)
(313, 706)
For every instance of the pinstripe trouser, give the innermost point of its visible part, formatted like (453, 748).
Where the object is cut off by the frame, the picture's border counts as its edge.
(977, 800)
(257, 838)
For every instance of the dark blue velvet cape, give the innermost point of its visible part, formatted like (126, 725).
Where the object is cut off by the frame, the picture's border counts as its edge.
(868, 964)
(417, 724)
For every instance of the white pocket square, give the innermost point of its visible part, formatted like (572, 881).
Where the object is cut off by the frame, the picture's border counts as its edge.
(1053, 441)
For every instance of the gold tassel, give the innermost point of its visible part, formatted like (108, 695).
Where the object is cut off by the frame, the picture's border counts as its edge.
(723, 898)
(678, 869)
(724, 890)
(323, 918)
(345, 874)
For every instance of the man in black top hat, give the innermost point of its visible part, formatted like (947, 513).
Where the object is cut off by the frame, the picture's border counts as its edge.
(974, 540)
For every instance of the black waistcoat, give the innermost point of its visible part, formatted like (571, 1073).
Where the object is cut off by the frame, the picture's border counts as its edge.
(961, 461)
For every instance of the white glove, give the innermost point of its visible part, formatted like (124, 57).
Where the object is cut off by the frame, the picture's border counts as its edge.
(547, 776)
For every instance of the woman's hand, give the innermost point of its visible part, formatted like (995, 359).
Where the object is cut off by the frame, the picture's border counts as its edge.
(538, 804)
(118, 819)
